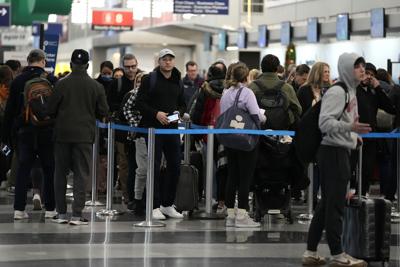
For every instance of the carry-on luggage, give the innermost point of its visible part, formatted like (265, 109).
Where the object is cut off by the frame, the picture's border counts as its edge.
(187, 195)
(366, 225)
(272, 189)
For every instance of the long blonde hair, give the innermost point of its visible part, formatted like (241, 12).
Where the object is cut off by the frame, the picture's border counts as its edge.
(315, 77)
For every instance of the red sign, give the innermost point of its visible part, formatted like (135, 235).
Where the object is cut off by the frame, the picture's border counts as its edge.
(117, 19)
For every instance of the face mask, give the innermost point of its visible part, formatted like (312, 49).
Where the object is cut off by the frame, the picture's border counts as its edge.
(106, 77)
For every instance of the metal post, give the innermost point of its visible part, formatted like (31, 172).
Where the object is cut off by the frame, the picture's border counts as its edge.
(398, 177)
(210, 169)
(108, 211)
(150, 183)
(308, 216)
(209, 181)
(396, 213)
(94, 201)
(186, 147)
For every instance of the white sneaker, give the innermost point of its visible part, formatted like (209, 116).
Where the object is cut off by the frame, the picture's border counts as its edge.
(346, 260)
(20, 215)
(37, 202)
(243, 220)
(158, 215)
(3, 185)
(78, 221)
(171, 212)
(60, 219)
(50, 214)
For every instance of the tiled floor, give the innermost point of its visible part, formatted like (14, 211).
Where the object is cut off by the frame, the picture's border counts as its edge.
(188, 242)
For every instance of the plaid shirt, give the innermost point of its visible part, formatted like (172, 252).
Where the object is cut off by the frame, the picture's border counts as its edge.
(131, 114)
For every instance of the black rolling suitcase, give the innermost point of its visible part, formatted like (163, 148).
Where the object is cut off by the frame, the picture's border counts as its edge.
(367, 226)
(187, 195)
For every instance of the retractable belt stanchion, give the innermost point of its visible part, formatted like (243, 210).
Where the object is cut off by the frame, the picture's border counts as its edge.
(396, 212)
(108, 211)
(208, 214)
(309, 215)
(94, 201)
(150, 184)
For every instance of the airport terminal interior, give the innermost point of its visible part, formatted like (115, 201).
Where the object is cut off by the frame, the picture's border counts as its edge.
(206, 33)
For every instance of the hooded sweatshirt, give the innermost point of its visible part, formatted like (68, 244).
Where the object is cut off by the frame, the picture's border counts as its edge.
(335, 124)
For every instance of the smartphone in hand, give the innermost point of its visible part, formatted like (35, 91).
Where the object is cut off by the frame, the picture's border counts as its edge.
(173, 117)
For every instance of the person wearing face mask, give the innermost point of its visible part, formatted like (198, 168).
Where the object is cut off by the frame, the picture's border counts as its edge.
(106, 72)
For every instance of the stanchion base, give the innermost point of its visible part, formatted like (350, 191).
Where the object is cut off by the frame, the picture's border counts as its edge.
(149, 224)
(94, 204)
(305, 217)
(207, 216)
(106, 212)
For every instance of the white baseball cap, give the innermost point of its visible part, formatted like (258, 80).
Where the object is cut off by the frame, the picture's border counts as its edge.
(164, 52)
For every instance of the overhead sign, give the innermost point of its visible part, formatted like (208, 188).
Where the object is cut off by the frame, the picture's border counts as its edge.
(16, 55)
(216, 7)
(5, 15)
(117, 19)
(15, 38)
(50, 47)
(49, 28)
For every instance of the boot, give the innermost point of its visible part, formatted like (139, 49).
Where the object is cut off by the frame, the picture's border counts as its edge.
(230, 219)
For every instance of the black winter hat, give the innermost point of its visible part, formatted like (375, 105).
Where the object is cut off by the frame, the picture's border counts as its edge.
(80, 57)
(371, 67)
(215, 73)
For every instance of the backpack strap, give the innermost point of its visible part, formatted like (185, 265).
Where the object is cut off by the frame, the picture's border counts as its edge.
(346, 90)
(237, 96)
(153, 80)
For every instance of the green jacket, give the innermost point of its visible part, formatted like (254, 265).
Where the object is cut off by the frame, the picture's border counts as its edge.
(270, 80)
(76, 103)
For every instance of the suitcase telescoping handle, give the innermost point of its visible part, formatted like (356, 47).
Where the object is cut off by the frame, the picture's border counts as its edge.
(186, 145)
(359, 172)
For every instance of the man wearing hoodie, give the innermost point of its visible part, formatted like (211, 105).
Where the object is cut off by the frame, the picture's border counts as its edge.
(339, 124)
(156, 102)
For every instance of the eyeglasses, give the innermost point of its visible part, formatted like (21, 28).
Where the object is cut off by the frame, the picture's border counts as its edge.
(130, 67)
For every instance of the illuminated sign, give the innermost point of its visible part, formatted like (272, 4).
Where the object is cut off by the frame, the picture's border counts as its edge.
(117, 19)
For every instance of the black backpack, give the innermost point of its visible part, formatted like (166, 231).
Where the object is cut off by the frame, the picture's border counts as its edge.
(308, 136)
(276, 106)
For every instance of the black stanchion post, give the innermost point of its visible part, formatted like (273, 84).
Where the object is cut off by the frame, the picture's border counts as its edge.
(94, 201)
(150, 184)
(108, 211)
(208, 214)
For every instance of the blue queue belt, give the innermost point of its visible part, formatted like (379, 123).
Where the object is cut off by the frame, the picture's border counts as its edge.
(198, 129)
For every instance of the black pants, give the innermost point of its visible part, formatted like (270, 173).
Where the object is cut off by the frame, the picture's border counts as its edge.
(78, 158)
(32, 143)
(165, 187)
(241, 166)
(389, 178)
(368, 165)
(130, 149)
(334, 166)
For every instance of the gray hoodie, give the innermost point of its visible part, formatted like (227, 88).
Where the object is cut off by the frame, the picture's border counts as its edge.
(335, 126)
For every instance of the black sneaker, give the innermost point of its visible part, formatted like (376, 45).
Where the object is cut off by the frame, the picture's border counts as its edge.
(78, 221)
(140, 207)
(131, 205)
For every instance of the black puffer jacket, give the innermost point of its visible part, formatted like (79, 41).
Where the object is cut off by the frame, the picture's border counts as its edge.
(210, 89)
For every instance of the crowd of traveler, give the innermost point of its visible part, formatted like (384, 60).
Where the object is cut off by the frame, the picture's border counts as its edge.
(55, 135)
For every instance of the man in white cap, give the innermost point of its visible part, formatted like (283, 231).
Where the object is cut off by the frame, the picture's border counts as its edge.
(159, 98)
